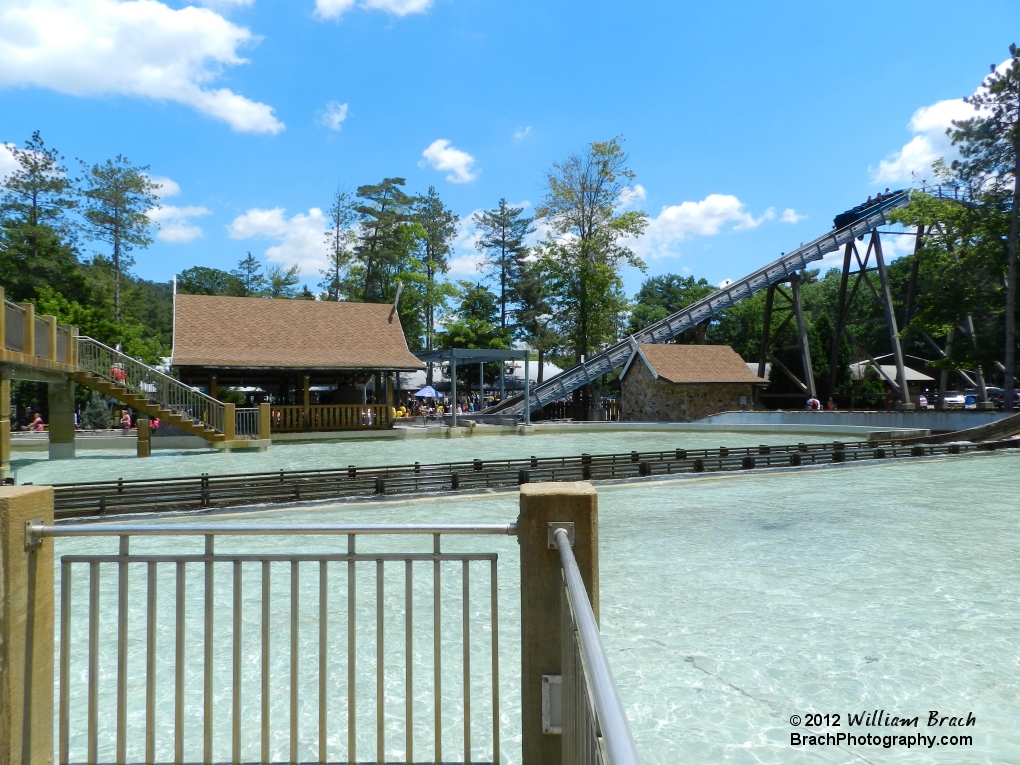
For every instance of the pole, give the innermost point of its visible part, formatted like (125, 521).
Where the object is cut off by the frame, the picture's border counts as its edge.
(453, 388)
(805, 346)
(481, 383)
(527, 388)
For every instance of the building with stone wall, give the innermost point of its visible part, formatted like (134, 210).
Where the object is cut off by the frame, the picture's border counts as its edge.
(682, 383)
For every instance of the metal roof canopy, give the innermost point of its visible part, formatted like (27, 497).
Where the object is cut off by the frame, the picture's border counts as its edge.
(469, 355)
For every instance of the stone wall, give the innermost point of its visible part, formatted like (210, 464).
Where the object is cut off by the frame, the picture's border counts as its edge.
(645, 399)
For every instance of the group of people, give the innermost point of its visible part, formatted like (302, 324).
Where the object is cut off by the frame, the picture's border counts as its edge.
(417, 407)
(814, 405)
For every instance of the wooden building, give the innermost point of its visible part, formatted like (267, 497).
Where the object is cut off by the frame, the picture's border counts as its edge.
(681, 383)
(318, 363)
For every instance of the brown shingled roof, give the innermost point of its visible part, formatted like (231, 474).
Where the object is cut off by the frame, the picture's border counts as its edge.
(259, 333)
(698, 364)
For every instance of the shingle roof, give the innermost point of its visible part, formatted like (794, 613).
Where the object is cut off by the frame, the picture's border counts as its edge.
(698, 364)
(259, 333)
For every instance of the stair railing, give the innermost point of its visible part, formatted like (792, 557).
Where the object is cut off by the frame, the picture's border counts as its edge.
(148, 383)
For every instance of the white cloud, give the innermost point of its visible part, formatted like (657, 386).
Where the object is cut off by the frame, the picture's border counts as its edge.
(301, 238)
(334, 115)
(930, 142)
(632, 196)
(227, 4)
(522, 132)
(175, 224)
(466, 264)
(442, 156)
(332, 9)
(8, 164)
(139, 48)
(791, 216)
(675, 223)
(167, 187)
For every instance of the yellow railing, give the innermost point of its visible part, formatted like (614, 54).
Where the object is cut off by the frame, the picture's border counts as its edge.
(285, 418)
(39, 336)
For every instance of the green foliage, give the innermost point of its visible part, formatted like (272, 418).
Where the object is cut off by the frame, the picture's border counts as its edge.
(200, 280)
(503, 231)
(586, 245)
(340, 240)
(476, 326)
(249, 275)
(282, 282)
(96, 414)
(663, 295)
(437, 227)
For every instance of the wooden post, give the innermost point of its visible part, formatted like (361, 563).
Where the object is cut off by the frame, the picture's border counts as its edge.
(214, 388)
(144, 442)
(28, 331)
(229, 422)
(5, 427)
(541, 584)
(265, 420)
(26, 628)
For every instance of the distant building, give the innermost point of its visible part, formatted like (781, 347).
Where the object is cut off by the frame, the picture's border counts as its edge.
(681, 383)
(917, 382)
(298, 352)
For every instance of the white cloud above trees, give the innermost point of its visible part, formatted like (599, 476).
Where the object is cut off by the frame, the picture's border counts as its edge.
(442, 156)
(7, 162)
(300, 238)
(139, 48)
(334, 115)
(334, 9)
(175, 224)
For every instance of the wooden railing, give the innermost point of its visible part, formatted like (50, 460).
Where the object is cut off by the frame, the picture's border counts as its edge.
(284, 418)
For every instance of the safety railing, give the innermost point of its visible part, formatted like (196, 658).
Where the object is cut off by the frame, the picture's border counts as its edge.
(148, 383)
(14, 326)
(247, 423)
(292, 418)
(594, 725)
(260, 654)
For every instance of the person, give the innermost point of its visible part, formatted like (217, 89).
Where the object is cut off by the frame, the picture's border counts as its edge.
(37, 423)
(154, 423)
(813, 404)
(125, 419)
(830, 405)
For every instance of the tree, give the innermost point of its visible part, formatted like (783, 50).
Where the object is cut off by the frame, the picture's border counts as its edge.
(340, 240)
(282, 282)
(475, 325)
(117, 196)
(534, 312)
(990, 159)
(250, 277)
(503, 231)
(438, 226)
(386, 241)
(200, 280)
(36, 238)
(586, 245)
(663, 295)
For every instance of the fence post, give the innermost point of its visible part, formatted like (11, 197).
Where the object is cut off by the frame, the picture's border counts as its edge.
(28, 329)
(26, 628)
(144, 448)
(541, 583)
(229, 422)
(5, 426)
(265, 420)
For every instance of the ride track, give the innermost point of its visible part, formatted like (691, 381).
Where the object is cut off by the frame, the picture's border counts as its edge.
(615, 356)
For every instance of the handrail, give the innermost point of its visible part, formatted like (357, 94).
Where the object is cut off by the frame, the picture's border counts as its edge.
(15, 307)
(37, 531)
(613, 724)
(142, 380)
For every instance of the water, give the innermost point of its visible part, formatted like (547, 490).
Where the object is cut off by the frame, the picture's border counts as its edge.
(731, 603)
(99, 465)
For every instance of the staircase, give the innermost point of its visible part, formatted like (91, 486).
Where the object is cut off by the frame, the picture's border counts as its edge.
(148, 390)
(666, 329)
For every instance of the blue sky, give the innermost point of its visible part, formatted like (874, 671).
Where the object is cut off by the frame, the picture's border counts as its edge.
(749, 125)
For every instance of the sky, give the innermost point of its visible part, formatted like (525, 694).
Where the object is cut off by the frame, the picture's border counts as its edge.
(749, 125)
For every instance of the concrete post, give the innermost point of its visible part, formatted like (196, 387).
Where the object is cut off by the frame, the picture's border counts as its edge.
(61, 425)
(5, 426)
(541, 583)
(51, 331)
(26, 628)
(229, 422)
(144, 448)
(265, 420)
(28, 330)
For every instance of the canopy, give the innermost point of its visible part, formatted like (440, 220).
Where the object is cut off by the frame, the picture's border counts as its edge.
(427, 392)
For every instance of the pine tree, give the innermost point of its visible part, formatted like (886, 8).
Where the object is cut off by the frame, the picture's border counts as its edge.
(438, 227)
(249, 274)
(282, 282)
(385, 241)
(503, 231)
(340, 241)
(117, 196)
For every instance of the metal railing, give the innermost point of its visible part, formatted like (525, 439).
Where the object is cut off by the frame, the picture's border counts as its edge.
(290, 417)
(595, 726)
(14, 326)
(42, 338)
(617, 355)
(247, 423)
(114, 705)
(148, 383)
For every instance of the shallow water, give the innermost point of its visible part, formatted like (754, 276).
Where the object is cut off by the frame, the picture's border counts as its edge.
(100, 465)
(731, 603)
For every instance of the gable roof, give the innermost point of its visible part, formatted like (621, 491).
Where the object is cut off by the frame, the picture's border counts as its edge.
(696, 364)
(262, 333)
